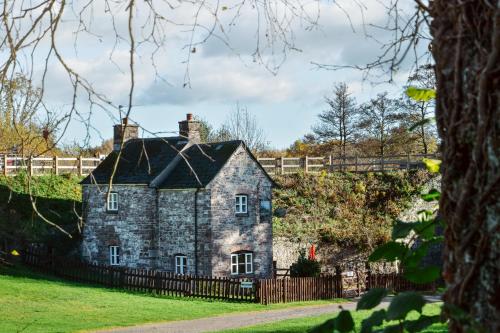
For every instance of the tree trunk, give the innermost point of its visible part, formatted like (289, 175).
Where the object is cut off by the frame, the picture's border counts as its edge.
(466, 49)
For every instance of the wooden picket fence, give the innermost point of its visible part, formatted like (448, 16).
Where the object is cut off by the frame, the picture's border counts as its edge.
(264, 291)
(396, 282)
(299, 289)
(143, 280)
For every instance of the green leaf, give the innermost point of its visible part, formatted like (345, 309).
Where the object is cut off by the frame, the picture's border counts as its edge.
(388, 251)
(344, 322)
(403, 303)
(392, 329)
(327, 327)
(421, 94)
(424, 121)
(402, 229)
(426, 229)
(433, 195)
(421, 323)
(422, 274)
(413, 259)
(425, 215)
(432, 165)
(375, 319)
(371, 299)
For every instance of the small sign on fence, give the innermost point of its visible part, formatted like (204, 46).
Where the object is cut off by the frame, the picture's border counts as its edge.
(246, 285)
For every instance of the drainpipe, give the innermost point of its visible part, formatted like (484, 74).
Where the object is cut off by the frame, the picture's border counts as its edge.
(158, 231)
(196, 231)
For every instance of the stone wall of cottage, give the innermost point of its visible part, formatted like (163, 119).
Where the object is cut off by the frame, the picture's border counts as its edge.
(177, 229)
(250, 232)
(133, 227)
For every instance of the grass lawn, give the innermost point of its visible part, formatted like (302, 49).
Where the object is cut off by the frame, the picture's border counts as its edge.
(31, 302)
(301, 325)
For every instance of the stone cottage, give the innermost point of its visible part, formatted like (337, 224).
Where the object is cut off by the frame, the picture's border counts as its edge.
(179, 205)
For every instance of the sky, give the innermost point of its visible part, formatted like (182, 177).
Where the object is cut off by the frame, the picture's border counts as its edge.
(223, 71)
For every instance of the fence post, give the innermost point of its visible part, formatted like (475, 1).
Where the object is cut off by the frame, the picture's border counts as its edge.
(56, 165)
(257, 291)
(338, 274)
(30, 165)
(358, 287)
(330, 162)
(5, 164)
(284, 297)
(121, 278)
(356, 163)
(306, 164)
(408, 162)
(80, 166)
(282, 166)
(382, 162)
(275, 269)
(157, 283)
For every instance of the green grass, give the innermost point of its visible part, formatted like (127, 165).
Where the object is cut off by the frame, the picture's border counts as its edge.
(301, 325)
(31, 302)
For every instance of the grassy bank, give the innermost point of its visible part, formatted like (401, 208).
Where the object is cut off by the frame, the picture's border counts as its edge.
(55, 198)
(345, 209)
(36, 303)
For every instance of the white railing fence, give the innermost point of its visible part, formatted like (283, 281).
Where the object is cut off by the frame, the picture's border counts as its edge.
(313, 164)
(12, 165)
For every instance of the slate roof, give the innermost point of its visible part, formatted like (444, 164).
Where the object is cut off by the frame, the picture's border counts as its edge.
(142, 160)
(205, 159)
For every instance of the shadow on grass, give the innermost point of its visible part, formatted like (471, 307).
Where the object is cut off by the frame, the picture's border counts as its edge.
(21, 225)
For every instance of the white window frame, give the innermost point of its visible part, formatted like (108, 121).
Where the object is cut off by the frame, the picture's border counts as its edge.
(235, 263)
(112, 202)
(241, 206)
(180, 264)
(114, 255)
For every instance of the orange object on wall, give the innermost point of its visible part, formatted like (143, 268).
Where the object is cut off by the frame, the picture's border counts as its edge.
(312, 253)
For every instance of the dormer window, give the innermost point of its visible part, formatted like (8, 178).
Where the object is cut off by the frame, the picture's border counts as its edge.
(112, 204)
(241, 204)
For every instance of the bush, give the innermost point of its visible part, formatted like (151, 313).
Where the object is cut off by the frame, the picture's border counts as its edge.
(305, 267)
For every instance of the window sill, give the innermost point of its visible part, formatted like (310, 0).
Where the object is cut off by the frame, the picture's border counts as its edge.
(242, 274)
(111, 211)
(241, 214)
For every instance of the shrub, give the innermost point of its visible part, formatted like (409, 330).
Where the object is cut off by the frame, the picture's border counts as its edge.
(305, 267)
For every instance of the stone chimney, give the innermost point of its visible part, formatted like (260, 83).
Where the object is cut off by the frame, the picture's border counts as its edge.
(125, 130)
(190, 129)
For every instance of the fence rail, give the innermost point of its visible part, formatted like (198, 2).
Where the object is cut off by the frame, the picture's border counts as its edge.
(11, 165)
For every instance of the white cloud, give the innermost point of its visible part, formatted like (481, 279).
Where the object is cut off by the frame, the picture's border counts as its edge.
(220, 76)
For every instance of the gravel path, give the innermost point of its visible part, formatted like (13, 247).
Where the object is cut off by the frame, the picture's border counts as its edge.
(230, 321)
(237, 320)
